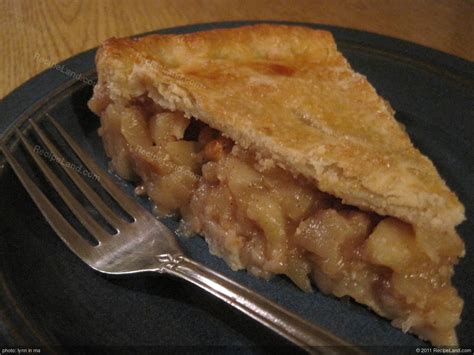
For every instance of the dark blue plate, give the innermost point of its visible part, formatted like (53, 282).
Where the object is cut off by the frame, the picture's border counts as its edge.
(51, 299)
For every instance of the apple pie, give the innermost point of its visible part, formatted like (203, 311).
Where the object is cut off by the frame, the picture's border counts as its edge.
(267, 143)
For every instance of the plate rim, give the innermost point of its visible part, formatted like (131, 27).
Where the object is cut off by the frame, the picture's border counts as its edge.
(445, 64)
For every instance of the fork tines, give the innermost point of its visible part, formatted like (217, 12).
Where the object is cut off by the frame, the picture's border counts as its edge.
(60, 224)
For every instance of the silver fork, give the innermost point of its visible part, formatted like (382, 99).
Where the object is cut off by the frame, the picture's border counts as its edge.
(146, 245)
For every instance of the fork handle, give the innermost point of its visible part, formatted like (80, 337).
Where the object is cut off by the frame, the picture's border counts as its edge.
(280, 320)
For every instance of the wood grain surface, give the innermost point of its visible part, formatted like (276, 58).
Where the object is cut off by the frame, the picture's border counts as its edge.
(34, 34)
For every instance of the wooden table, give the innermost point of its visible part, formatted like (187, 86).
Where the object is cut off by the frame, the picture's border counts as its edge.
(53, 30)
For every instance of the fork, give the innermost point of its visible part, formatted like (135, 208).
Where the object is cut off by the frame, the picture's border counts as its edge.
(145, 244)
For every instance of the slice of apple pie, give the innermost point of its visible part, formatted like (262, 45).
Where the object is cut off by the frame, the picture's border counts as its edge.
(269, 145)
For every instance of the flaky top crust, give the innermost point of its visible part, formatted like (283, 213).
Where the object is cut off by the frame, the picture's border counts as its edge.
(288, 94)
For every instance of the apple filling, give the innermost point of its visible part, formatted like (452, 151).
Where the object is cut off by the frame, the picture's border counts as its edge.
(260, 217)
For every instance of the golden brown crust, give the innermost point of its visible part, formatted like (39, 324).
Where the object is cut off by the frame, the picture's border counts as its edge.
(286, 92)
